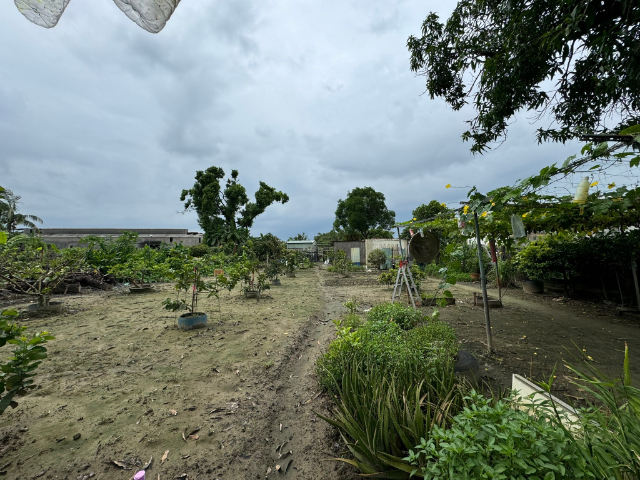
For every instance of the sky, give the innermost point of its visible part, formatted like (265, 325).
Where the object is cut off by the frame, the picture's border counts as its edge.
(102, 124)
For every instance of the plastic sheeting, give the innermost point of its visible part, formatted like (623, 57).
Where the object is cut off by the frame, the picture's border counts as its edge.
(151, 15)
(45, 13)
(517, 226)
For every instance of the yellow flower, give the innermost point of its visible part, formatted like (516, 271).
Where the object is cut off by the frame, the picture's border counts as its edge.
(484, 214)
(448, 185)
(493, 204)
(594, 184)
(611, 185)
(465, 209)
(444, 204)
(414, 218)
(524, 215)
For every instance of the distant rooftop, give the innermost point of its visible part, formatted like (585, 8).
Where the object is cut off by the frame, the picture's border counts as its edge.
(115, 231)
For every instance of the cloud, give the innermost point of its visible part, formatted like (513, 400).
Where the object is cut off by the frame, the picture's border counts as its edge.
(103, 124)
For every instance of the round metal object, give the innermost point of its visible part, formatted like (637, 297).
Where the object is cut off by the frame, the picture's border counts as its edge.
(424, 248)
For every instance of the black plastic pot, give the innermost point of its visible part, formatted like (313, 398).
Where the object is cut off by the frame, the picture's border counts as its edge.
(467, 366)
(533, 286)
(251, 294)
(276, 282)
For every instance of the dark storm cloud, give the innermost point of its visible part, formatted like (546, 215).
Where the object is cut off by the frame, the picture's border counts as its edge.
(103, 124)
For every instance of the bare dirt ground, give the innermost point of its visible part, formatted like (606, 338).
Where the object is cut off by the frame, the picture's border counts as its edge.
(123, 384)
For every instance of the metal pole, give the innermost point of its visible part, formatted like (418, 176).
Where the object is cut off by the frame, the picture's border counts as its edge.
(483, 281)
(635, 281)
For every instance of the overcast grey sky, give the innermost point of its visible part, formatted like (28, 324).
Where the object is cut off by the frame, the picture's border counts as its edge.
(103, 124)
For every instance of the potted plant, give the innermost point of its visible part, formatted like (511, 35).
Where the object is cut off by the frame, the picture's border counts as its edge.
(138, 269)
(447, 298)
(291, 263)
(189, 282)
(32, 267)
(377, 259)
(274, 269)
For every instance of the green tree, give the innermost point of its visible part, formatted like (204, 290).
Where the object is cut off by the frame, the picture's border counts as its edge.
(363, 211)
(268, 245)
(298, 237)
(10, 218)
(425, 212)
(327, 238)
(227, 215)
(503, 57)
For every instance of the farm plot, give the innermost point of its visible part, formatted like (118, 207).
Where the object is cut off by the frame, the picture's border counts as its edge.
(123, 385)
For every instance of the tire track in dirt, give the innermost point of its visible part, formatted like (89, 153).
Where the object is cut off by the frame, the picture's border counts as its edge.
(294, 443)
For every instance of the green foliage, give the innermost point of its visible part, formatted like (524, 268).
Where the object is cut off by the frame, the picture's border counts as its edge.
(268, 246)
(340, 263)
(327, 238)
(609, 438)
(10, 218)
(139, 267)
(200, 250)
(553, 256)
(226, 215)
(393, 386)
(105, 253)
(404, 316)
(388, 277)
(32, 267)
(496, 440)
(376, 257)
(383, 344)
(586, 48)
(299, 237)
(351, 305)
(363, 210)
(16, 376)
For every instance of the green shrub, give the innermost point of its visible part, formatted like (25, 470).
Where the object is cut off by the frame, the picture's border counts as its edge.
(384, 346)
(497, 440)
(405, 316)
(199, 250)
(376, 258)
(461, 277)
(381, 415)
(388, 277)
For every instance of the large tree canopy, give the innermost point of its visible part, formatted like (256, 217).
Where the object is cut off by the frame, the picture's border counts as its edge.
(226, 216)
(577, 61)
(363, 212)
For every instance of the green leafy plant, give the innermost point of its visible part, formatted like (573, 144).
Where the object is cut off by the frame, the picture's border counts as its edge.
(388, 277)
(497, 440)
(351, 305)
(32, 267)
(609, 435)
(139, 267)
(341, 264)
(376, 258)
(16, 376)
(404, 316)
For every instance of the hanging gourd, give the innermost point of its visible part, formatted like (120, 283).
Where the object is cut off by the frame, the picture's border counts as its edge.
(582, 191)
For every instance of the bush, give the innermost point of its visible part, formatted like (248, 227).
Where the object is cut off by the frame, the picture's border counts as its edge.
(199, 250)
(497, 440)
(394, 387)
(382, 345)
(376, 258)
(389, 277)
(404, 316)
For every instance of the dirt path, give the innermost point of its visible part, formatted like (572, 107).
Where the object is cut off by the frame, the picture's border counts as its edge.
(534, 334)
